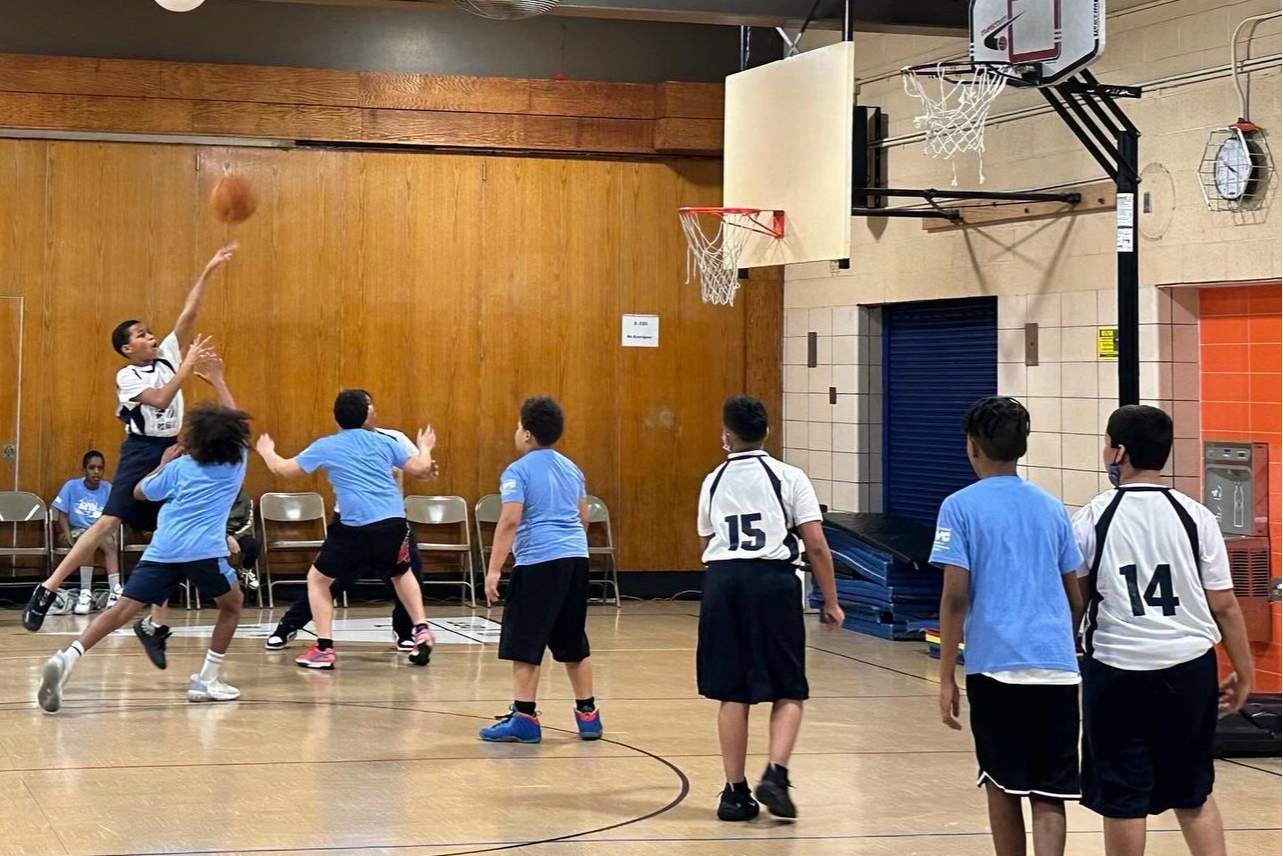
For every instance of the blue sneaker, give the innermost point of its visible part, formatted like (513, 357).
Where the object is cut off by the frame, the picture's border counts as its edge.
(589, 724)
(513, 727)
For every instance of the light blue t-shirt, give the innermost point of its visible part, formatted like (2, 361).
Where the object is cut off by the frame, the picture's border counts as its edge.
(193, 522)
(81, 505)
(1017, 542)
(549, 487)
(359, 465)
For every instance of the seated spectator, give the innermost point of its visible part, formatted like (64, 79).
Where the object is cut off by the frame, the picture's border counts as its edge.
(241, 541)
(79, 504)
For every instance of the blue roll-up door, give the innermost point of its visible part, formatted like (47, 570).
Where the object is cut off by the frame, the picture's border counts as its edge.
(938, 358)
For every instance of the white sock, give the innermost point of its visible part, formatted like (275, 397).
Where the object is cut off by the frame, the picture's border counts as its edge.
(73, 653)
(113, 580)
(87, 577)
(213, 661)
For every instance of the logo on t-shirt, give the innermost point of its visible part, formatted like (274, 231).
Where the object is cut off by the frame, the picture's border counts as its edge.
(88, 508)
(943, 537)
(508, 485)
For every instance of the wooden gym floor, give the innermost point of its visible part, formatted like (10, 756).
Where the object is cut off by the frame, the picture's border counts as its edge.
(379, 757)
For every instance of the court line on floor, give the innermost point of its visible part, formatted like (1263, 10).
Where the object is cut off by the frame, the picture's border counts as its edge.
(1251, 767)
(479, 847)
(873, 665)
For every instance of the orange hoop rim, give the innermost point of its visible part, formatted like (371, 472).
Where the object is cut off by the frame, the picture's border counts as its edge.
(774, 229)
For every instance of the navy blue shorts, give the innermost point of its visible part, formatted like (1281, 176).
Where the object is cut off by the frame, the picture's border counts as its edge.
(752, 639)
(154, 582)
(138, 457)
(1148, 737)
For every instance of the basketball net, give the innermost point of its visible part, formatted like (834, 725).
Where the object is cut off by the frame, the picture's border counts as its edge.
(956, 105)
(715, 254)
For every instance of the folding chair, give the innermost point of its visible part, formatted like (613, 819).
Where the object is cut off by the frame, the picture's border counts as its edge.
(485, 514)
(288, 511)
(599, 516)
(441, 511)
(24, 511)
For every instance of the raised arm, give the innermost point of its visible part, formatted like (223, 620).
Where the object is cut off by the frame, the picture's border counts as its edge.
(210, 370)
(201, 348)
(284, 467)
(421, 466)
(169, 454)
(191, 308)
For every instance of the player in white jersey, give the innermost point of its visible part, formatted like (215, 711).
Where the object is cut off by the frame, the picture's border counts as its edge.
(1160, 597)
(150, 404)
(756, 515)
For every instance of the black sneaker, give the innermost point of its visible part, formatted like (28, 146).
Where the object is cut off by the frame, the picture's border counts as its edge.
(37, 608)
(737, 804)
(280, 637)
(773, 792)
(153, 639)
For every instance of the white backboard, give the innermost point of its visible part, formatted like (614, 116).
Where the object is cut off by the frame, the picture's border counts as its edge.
(788, 147)
(1059, 36)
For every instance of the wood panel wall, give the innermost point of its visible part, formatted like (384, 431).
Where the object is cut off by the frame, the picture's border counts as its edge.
(327, 105)
(449, 285)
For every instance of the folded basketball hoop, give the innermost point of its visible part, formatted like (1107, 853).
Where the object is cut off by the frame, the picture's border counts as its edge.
(956, 97)
(714, 252)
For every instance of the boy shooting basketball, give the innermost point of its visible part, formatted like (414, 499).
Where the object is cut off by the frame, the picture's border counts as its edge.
(752, 640)
(150, 398)
(1157, 581)
(1009, 561)
(373, 533)
(544, 523)
(198, 489)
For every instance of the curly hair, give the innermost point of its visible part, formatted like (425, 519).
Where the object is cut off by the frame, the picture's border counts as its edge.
(542, 417)
(214, 434)
(745, 417)
(1000, 426)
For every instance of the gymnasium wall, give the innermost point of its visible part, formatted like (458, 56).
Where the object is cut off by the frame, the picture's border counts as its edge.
(1058, 272)
(449, 285)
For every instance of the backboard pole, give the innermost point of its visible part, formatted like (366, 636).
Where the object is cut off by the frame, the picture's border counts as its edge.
(1128, 273)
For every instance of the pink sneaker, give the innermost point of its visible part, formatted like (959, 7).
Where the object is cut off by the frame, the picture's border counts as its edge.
(423, 642)
(315, 658)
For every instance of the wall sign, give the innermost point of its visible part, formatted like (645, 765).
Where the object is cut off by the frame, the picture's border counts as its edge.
(640, 331)
(1106, 343)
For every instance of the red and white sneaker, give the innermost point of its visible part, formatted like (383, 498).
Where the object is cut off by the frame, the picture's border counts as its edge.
(423, 643)
(315, 658)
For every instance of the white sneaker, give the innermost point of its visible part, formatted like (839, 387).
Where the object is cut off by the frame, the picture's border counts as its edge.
(116, 591)
(213, 690)
(85, 602)
(52, 677)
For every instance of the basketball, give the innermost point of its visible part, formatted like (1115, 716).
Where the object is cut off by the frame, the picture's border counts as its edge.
(233, 199)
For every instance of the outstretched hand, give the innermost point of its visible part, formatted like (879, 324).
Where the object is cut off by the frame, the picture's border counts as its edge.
(201, 349)
(172, 452)
(221, 256)
(265, 445)
(210, 368)
(427, 440)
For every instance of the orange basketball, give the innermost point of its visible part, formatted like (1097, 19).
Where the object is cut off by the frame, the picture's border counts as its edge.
(233, 199)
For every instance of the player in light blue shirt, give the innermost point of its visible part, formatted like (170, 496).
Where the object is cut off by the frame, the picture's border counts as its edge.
(544, 522)
(1010, 561)
(372, 534)
(79, 505)
(199, 479)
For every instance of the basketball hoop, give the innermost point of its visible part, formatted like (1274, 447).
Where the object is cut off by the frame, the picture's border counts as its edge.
(956, 97)
(715, 253)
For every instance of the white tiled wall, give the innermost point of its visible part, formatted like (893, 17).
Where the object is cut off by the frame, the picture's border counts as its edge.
(1069, 394)
(838, 444)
